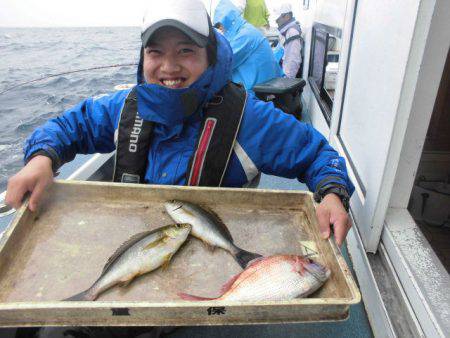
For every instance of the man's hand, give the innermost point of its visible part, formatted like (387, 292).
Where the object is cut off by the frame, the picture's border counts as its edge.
(331, 211)
(34, 178)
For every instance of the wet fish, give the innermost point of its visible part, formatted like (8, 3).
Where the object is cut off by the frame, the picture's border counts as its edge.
(208, 227)
(142, 253)
(276, 278)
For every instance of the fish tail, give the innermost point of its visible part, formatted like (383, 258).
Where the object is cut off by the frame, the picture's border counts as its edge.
(244, 257)
(85, 295)
(187, 296)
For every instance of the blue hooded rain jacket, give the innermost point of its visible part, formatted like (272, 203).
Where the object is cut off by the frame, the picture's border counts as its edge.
(268, 140)
(253, 59)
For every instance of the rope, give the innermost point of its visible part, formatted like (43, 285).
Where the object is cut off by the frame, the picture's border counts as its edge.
(65, 73)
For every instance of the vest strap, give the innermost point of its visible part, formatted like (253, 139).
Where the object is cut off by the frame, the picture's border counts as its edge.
(133, 143)
(219, 131)
(292, 38)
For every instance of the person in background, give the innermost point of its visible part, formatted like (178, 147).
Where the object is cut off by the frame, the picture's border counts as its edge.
(256, 13)
(253, 59)
(291, 38)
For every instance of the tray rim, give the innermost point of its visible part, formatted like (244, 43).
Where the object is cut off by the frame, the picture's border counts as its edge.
(23, 211)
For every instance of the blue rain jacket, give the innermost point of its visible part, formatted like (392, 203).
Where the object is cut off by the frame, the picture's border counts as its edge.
(268, 140)
(253, 59)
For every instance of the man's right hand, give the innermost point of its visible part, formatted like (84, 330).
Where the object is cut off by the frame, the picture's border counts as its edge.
(34, 177)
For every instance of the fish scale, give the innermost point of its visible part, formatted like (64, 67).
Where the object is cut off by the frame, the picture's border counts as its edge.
(280, 281)
(273, 278)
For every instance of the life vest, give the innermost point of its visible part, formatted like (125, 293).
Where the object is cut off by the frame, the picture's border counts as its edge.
(283, 31)
(220, 125)
(288, 25)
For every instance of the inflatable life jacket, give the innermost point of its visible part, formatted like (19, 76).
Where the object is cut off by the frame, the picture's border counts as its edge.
(221, 120)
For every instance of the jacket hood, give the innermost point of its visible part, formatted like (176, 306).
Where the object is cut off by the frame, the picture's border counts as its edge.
(173, 106)
(290, 24)
(230, 17)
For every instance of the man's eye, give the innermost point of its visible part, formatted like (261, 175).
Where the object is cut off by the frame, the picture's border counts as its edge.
(186, 51)
(153, 51)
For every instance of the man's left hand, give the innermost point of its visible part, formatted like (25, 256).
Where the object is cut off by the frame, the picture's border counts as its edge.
(331, 211)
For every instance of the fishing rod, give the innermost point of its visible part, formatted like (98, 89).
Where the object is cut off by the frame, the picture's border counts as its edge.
(69, 72)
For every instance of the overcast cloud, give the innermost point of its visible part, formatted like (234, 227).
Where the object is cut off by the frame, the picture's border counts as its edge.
(70, 13)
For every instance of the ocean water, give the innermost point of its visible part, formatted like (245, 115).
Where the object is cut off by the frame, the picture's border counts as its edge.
(27, 54)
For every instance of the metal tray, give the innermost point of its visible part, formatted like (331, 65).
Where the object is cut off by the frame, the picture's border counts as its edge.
(61, 249)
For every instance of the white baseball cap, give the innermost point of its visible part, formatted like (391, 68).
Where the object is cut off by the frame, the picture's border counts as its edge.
(189, 16)
(284, 8)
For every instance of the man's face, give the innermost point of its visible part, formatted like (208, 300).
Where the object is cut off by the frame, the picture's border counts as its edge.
(282, 19)
(173, 60)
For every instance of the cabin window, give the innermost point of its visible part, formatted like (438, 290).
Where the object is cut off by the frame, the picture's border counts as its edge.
(323, 66)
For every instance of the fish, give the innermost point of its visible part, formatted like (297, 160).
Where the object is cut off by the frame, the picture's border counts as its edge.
(209, 228)
(142, 253)
(272, 278)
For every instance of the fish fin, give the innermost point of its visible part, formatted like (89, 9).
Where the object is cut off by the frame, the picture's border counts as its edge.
(127, 282)
(255, 261)
(124, 284)
(210, 247)
(85, 295)
(166, 263)
(320, 272)
(244, 257)
(186, 296)
(229, 283)
(154, 244)
(127, 244)
(226, 233)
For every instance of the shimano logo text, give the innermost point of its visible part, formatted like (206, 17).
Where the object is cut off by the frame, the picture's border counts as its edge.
(134, 137)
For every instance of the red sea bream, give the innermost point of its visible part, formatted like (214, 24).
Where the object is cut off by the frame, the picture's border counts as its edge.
(274, 278)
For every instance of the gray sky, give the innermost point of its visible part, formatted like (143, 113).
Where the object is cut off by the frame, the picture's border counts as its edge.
(38, 13)
(49, 13)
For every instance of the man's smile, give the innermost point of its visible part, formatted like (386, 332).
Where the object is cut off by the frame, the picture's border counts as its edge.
(173, 83)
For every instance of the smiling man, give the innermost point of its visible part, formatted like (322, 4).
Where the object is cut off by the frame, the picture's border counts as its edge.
(172, 59)
(186, 123)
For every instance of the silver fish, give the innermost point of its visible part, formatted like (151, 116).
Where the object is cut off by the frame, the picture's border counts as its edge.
(275, 278)
(208, 227)
(142, 253)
